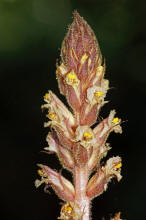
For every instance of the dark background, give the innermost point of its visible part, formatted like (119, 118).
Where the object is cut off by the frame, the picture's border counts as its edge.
(31, 32)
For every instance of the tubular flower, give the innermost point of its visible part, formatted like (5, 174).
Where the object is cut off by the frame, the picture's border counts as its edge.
(98, 183)
(79, 145)
(70, 210)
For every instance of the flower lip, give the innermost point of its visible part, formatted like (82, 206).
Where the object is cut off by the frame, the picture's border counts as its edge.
(52, 116)
(113, 168)
(114, 122)
(40, 172)
(70, 210)
(83, 133)
(96, 94)
(66, 211)
(85, 136)
(71, 79)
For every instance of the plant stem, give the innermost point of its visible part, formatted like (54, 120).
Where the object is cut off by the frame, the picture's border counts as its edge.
(80, 181)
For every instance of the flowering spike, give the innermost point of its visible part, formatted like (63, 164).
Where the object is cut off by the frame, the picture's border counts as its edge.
(80, 147)
(80, 51)
(81, 69)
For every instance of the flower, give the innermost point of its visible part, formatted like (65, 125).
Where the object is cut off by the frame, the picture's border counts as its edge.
(70, 210)
(61, 185)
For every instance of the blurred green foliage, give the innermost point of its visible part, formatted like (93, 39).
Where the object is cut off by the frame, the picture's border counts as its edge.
(23, 22)
(27, 24)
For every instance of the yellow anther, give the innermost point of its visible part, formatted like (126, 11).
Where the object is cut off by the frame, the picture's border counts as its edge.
(84, 58)
(51, 116)
(115, 120)
(71, 78)
(46, 96)
(40, 172)
(119, 165)
(98, 94)
(66, 211)
(87, 136)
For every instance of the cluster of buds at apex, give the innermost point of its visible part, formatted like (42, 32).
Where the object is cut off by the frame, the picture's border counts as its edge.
(79, 146)
(81, 73)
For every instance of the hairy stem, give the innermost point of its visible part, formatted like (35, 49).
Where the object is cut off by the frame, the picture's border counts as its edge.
(80, 181)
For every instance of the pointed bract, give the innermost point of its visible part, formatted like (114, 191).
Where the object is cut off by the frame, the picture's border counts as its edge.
(61, 185)
(80, 51)
(98, 183)
(64, 154)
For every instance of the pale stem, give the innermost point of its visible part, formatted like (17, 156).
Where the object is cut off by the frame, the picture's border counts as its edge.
(80, 181)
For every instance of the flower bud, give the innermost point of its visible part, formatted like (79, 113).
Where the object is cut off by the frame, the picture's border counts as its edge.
(80, 50)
